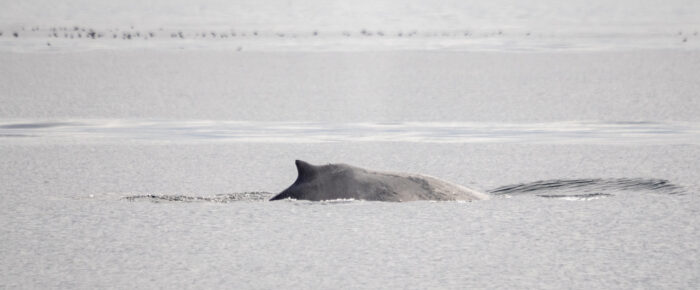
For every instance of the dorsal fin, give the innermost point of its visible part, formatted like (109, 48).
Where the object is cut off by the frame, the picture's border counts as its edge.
(305, 170)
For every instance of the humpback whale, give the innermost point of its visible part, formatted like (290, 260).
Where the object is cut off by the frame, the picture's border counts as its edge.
(342, 181)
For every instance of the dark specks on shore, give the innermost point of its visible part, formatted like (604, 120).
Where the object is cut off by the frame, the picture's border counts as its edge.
(132, 33)
(237, 36)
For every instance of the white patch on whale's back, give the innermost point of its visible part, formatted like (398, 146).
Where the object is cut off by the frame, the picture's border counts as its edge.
(459, 191)
(453, 190)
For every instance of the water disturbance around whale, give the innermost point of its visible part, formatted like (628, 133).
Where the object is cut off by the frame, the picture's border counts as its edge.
(581, 189)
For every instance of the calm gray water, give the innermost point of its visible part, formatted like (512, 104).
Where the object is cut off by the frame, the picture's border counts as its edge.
(139, 146)
(119, 203)
(182, 214)
(113, 179)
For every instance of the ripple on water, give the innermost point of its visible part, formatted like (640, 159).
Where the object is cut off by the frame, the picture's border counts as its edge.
(315, 132)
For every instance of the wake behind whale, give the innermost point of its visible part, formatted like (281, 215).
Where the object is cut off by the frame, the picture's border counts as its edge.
(219, 198)
(587, 188)
(341, 181)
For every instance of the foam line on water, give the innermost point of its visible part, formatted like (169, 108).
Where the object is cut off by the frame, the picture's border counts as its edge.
(316, 132)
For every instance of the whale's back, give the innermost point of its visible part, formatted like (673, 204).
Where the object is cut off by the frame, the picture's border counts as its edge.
(342, 181)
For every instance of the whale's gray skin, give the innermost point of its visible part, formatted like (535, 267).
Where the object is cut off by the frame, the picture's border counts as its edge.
(342, 181)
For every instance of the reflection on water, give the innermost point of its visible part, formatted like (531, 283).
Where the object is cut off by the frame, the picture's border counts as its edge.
(36, 125)
(309, 132)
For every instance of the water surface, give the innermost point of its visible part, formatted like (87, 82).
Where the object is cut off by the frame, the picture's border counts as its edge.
(313, 132)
